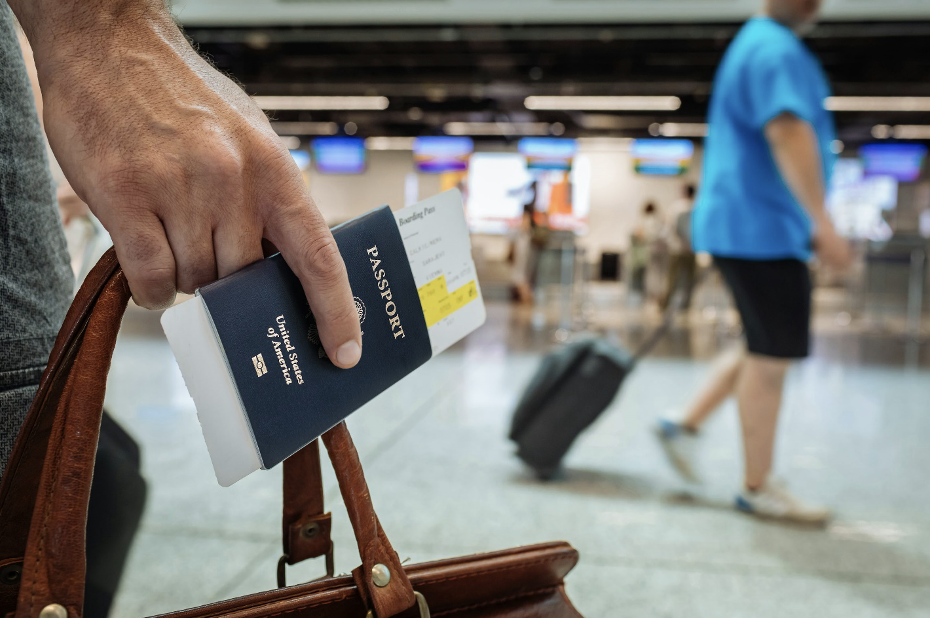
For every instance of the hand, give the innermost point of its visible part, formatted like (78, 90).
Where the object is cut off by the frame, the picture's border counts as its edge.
(181, 166)
(832, 249)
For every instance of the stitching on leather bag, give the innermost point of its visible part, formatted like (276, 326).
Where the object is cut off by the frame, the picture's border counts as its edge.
(270, 596)
(497, 570)
(35, 571)
(538, 591)
(79, 328)
(71, 352)
(48, 512)
(495, 601)
(446, 579)
(303, 607)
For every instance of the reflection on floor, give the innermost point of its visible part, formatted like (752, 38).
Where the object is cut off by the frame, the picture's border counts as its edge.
(445, 483)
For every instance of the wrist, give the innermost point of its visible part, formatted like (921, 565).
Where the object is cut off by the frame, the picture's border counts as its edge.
(68, 41)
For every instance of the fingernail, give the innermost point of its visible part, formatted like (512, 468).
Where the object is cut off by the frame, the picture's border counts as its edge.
(349, 354)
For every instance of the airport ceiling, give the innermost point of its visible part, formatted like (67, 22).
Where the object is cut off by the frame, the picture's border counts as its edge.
(436, 74)
(453, 12)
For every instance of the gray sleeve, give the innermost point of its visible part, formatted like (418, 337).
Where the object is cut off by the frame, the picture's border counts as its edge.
(36, 281)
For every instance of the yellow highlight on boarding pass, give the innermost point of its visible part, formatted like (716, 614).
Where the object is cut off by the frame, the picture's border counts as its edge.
(439, 303)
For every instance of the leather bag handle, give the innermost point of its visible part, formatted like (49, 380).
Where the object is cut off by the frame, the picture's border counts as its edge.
(21, 481)
(46, 487)
(306, 528)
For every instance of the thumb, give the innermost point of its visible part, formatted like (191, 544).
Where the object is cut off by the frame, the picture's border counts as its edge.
(309, 249)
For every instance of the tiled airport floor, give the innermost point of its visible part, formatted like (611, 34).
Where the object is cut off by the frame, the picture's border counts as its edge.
(445, 483)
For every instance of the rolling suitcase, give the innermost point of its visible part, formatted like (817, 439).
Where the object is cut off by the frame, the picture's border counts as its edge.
(571, 388)
(569, 391)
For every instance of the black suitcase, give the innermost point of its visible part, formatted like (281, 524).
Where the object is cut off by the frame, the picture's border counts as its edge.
(117, 500)
(569, 391)
(571, 388)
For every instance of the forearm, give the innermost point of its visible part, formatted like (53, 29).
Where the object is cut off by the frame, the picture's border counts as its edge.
(796, 152)
(73, 32)
(47, 20)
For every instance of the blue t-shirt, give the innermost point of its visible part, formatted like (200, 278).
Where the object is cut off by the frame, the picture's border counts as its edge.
(744, 208)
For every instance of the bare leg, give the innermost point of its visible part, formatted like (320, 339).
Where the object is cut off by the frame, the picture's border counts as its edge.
(758, 393)
(679, 439)
(720, 386)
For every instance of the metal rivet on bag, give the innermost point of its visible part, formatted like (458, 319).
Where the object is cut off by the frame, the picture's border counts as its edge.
(11, 574)
(53, 611)
(310, 530)
(380, 575)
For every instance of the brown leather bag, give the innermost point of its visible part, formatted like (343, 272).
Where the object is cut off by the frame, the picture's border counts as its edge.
(46, 486)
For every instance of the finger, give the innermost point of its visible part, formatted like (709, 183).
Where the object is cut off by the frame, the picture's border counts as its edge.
(308, 247)
(192, 245)
(145, 256)
(213, 234)
(236, 246)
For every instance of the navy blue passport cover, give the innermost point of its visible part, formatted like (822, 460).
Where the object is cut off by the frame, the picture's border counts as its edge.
(290, 391)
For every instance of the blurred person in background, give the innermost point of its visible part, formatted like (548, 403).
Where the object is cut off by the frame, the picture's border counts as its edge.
(681, 262)
(531, 239)
(520, 257)
(644, 240)
(760, 211)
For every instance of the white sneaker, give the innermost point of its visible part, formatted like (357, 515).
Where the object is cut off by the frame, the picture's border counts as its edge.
(772, 500)
(680, 445)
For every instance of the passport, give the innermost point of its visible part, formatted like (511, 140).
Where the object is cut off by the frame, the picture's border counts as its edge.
(249, 350)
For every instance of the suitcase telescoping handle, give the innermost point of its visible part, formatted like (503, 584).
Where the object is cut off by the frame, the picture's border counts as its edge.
(678, 299)
(46, 485)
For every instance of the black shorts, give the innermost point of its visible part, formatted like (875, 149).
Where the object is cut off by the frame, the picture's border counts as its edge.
(773, 298)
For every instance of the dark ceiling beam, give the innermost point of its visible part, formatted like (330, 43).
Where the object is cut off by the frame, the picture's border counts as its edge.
(259, 37)
(516, 90)
(483, 73)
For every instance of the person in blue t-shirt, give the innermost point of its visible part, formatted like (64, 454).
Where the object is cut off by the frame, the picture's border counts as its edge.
(760, 212)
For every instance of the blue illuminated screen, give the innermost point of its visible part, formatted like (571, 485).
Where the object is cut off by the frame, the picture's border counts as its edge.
(548, 153)
(437, 154)
(902, 162)
(339, 155)
(662, 157)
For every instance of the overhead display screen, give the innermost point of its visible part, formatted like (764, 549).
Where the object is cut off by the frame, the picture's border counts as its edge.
(548, 153)
(902, 162)
(339, 155)
(662, 157)
(436, 155)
